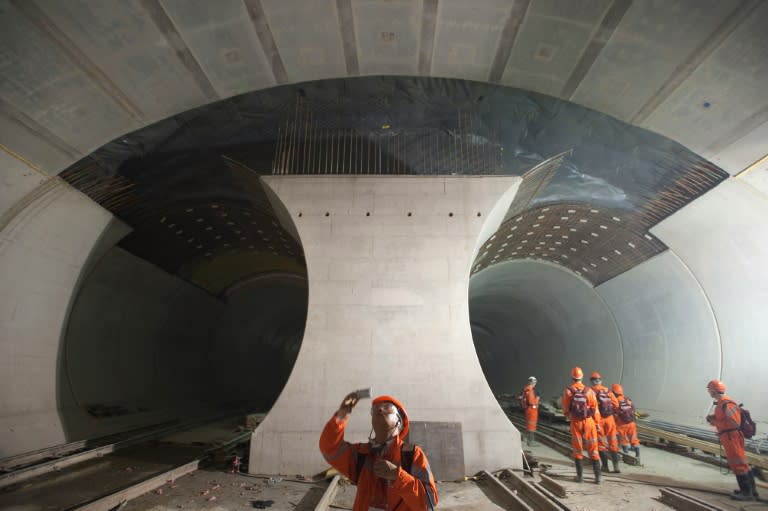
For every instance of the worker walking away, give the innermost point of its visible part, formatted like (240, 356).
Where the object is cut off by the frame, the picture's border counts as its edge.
(625, 421)
(607, 404)
(727, 419)
(389, 473)
(580, 407)
(529, 401)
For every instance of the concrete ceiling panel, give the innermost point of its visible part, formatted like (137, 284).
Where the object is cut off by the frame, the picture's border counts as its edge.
(34, 147)
(223, 40)
(16, 180)
(121, 39)
(652, 41)
(43, 84)
(721, 97)
(743, 153)
(550, 44)
(307, 33)
(467, 36)
(388, 35)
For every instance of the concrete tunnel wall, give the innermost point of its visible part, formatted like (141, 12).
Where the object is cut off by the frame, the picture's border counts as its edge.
(665, 327)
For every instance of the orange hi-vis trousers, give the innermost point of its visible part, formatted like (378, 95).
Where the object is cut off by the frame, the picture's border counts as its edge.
(608, 438)
(733, 445)
(531, 418)
(628, 434)
(584, 438)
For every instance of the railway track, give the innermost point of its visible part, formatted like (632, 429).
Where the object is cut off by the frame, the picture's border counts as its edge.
(76, 476)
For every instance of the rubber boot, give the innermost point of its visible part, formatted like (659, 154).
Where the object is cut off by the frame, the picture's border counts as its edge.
(596, 468)
(604, 461)
(533, 438)
(752, 484)
(745, 488)
(637, 452)
(579, 471)
(615, 462)
(625, 449)
(528, 438)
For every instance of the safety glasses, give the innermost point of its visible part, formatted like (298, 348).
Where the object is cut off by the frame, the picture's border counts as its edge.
(384, 409)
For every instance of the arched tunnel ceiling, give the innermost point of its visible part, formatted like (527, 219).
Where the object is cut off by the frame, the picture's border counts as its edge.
(76, 75)
(189, 185)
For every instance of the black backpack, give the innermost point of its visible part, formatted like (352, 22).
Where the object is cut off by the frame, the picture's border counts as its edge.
(747, 426)
(579, 408)
(626, 411)
(604, 403)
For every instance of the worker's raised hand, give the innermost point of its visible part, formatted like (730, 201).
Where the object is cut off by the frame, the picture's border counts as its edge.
(349, 402)
(385, 469)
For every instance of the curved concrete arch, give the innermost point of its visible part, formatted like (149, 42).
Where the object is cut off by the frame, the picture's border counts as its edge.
(67, 93)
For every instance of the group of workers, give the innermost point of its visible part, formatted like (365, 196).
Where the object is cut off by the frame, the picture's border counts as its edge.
(602, 420)
(392, 474)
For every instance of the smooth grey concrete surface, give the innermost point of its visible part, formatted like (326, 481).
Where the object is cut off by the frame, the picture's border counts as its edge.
(670, 339)
(721, 238)
(538, 319)
(387, 309)
(80, 73)
(139, 339)
(41, 257)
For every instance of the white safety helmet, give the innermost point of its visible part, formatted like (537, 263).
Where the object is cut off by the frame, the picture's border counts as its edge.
(532, 379)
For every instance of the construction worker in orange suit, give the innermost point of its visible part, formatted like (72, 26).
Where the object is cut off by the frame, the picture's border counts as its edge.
(727, 421)
(625, 421)
(607, 404)
(529, 400)
(580, 407)
(377, 466)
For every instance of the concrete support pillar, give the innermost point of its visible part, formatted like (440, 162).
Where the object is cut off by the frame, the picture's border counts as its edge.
(388, 260)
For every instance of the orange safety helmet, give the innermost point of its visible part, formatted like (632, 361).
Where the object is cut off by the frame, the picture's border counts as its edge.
(616, 388)
(577, 373)
(717, 386)
(400, 408)
(595, 376)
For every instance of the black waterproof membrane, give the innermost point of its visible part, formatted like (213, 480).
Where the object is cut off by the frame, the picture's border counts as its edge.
(185, 172)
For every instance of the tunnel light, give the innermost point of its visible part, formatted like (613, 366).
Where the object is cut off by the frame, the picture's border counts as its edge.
(199, 220)
(571, 211)
(631, 244)
(540, 217)
(584, 269)
(617, 219)
(513, 228)
(594, 234)
(558, 243)
(573, 249)
(617, 252)
(564, 218)
(518, 219)
(493, 237)
(190, 210)
(594, 211)
(209, 228)
(564, 256)
(179, 232)
(547, 235)
(513, 253)
(564, 236)
(582, 220)
(215, 206)
(536, 225)
(542, 243)
(593, 265)
(545, 209)
(572, 229)
(242, 238)
(585, 242)
(207, 254)
(504, 245)
(499, 251)
(604, 227)
(556, 227)
(162, 220)
(524, 241)
(509, 235)
(551, 249)
(230, 223)
(217, 237)
(604, 258)
(648, 237)
(190, 240)
(199, 247)
(529, 233)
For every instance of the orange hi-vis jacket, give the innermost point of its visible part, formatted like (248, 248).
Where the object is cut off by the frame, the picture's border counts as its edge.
(608, 436)
(627, 430)
(414, 491)
(583, 431)
(531, 403)
(727, 421)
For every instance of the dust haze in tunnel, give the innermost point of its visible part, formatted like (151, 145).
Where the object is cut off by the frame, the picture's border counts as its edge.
(533, 318)
(144, 346)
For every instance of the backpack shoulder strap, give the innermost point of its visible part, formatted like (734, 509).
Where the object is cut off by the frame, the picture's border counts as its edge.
(406, 456)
